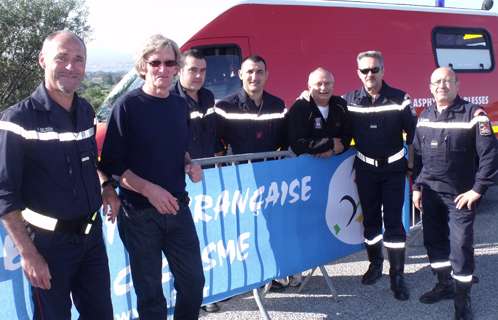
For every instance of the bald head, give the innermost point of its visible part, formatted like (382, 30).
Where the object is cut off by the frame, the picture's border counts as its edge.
(321, 86)
(444, 86)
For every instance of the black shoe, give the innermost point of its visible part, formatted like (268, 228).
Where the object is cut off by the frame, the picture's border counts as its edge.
(212, 307)
(463, 307)
(372, 275)
(276, 286)
(398, 286)
(444, 289)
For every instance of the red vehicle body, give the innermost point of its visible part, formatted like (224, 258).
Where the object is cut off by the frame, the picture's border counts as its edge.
(296, 37)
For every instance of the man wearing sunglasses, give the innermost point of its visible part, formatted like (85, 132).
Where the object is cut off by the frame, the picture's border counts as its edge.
(456, 160)
(379, 115)
(145, 150)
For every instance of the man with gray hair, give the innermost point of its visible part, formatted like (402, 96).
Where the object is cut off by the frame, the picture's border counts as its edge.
(50, 191)
(145, 150)
(320, 126)
(379, 115)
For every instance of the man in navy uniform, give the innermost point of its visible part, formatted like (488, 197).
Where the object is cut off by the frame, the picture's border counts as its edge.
(251, 120)
(191, 76)
(379, 115)
(48, 171)
(456, 160)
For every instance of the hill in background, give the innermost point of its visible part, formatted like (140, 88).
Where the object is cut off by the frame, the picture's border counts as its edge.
(108, 60)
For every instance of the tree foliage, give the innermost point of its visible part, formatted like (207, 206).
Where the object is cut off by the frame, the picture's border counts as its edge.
(24, 24)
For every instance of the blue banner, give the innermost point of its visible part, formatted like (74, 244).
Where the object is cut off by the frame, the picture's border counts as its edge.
(256, 222)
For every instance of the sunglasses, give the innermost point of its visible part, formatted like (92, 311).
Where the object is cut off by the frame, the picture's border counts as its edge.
(373, 70)
(157, 63)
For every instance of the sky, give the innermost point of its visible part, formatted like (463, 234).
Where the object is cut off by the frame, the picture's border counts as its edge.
(121, 28)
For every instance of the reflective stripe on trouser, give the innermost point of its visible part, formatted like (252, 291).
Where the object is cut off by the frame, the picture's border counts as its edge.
(448, 233)
(382, 192)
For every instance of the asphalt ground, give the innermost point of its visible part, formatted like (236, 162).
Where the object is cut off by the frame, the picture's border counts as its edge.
(376, 302)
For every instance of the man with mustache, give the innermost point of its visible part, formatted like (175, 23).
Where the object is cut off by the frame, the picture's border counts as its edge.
(48, 171)
(456, 160)
(379, 115)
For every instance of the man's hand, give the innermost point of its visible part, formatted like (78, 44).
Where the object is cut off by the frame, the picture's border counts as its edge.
(417, 197)
(338, 146)
(325, 155)
(110, 198)
(304, 96)
(194, 172)
(468, 198)
(409, 174)
(36, 270)
(34, 265)
(161, 199)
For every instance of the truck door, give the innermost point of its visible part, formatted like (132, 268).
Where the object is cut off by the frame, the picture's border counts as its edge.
(223, 56)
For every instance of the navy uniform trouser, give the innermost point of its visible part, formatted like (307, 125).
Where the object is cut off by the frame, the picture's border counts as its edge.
(448, 231)
(79, 268)
(382, 192)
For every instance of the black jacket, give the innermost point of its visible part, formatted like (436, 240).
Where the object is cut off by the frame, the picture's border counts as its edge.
(456, 151)
(248, 129)
(310, 133)
(202, 132)
(378, 127)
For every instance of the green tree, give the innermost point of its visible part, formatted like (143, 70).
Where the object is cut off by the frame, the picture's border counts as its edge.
(107, 79)
(24, 24)
(94, 95)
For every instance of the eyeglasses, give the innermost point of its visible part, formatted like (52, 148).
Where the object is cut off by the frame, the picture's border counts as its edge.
(373, 70)
(320, 84)
(157, 63)
(441, 81)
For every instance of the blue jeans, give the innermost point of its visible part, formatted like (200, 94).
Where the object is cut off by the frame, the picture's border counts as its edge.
(147, 234)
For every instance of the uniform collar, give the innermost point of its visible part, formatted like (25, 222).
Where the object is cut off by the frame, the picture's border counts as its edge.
(42, 101)
(456, 106)
(244, 98)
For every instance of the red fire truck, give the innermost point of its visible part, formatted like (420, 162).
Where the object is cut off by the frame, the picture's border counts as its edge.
(296, 37)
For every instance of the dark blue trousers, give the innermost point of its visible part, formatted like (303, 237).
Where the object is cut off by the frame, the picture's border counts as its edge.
(382, 192)
(448, 232)
(79, 266)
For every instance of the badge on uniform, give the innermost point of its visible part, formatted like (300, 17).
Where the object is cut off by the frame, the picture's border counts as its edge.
(434, 144)
(318, 123)
(373, 126)
(484, 128)
(259, 135)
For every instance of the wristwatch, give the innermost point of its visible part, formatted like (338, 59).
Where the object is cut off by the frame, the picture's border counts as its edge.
(111, 182)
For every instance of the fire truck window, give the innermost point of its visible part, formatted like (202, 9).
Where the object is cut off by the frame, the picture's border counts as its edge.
(462, 49)
(223, 64)
(129, 82)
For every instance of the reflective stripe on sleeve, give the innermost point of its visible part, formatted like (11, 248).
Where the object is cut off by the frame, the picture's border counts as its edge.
(389, 107)
(39, 220)
(451, 125)
(44, 136)
(250, 116)
(197, 114)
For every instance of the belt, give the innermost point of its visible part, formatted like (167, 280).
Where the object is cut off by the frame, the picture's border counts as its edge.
(48, 223)
(380, 162)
